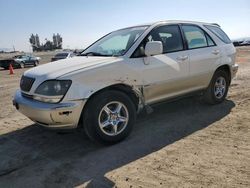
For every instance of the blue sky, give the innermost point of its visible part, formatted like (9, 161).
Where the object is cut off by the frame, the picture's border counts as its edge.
(81, 22)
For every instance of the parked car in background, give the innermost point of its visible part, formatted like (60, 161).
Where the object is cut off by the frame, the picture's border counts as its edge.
(125, 71)
(78, 52)
(236, 43)
(242, 42)
(62, 55)
(245, 43)
(20, 61)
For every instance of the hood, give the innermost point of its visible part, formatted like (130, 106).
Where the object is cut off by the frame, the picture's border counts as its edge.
(59, 68)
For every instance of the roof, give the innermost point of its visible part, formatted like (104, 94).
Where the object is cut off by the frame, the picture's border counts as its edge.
(173, 21)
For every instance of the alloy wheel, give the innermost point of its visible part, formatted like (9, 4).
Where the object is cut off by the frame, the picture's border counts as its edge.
(220, 87)
(113, 118)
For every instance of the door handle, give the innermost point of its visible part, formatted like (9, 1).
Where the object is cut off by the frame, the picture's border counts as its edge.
(215, 52)
(182, 58)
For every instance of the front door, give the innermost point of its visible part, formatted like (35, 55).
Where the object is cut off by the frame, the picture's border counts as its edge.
(165, 75)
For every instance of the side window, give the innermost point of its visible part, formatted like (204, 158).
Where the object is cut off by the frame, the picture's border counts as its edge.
(196, 38)
(219, 33)
(210, 42)
(170, 37)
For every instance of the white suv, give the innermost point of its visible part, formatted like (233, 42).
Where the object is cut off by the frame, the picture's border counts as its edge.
(125, 71)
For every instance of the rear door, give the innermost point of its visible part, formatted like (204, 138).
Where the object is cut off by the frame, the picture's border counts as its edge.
(203, 55)
(25, 59)
(30, 59)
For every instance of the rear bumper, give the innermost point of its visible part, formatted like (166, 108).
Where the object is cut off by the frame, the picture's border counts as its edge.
(59, 116)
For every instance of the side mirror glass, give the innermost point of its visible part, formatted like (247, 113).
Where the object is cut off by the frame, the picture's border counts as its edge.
(153, 48)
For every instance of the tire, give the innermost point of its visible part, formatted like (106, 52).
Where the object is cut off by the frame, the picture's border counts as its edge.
(218, 88)
(36, 63)
(100, 110)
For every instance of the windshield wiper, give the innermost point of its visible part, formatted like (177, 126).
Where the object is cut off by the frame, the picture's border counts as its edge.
(93, 54)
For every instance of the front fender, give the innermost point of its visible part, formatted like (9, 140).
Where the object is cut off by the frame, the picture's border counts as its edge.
(86, 83)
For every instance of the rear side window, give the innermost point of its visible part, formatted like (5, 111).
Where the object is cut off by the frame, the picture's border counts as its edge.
(219, 33)
(196, 37)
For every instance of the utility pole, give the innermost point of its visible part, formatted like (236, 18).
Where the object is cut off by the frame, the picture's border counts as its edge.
(14, 48)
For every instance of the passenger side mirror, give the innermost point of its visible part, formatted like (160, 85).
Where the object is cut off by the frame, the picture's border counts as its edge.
(153, 48)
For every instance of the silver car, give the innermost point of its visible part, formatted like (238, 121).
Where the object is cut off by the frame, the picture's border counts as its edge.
(126, 71)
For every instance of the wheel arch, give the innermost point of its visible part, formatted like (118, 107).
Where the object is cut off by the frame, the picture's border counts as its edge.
(127, 89)
(124, 88)
(227, 69)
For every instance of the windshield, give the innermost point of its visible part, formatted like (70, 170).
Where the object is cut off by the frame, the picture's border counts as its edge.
(115, 43)
(18, 56)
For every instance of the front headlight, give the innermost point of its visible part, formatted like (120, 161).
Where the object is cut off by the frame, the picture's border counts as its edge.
(52, 91)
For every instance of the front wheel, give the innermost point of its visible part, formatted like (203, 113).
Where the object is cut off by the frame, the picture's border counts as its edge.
(36, 63)
(109, 117)
(218, 88)
(21, 65)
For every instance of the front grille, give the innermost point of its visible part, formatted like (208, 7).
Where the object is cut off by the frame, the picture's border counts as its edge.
(26, 83)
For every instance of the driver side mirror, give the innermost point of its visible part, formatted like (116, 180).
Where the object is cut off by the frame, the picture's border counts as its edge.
(153, 48)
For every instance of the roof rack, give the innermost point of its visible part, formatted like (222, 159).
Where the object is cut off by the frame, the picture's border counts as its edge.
(215, 24)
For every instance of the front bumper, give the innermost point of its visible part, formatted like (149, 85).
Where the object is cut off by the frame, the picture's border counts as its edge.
(63, 115)
(234, 70)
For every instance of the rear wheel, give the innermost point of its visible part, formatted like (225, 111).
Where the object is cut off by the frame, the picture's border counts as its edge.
(109, 117)
(218, 88)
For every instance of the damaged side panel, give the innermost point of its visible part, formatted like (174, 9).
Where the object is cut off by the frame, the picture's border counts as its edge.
(86, 83)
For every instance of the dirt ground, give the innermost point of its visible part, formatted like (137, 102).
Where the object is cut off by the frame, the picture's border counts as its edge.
(182, 144)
